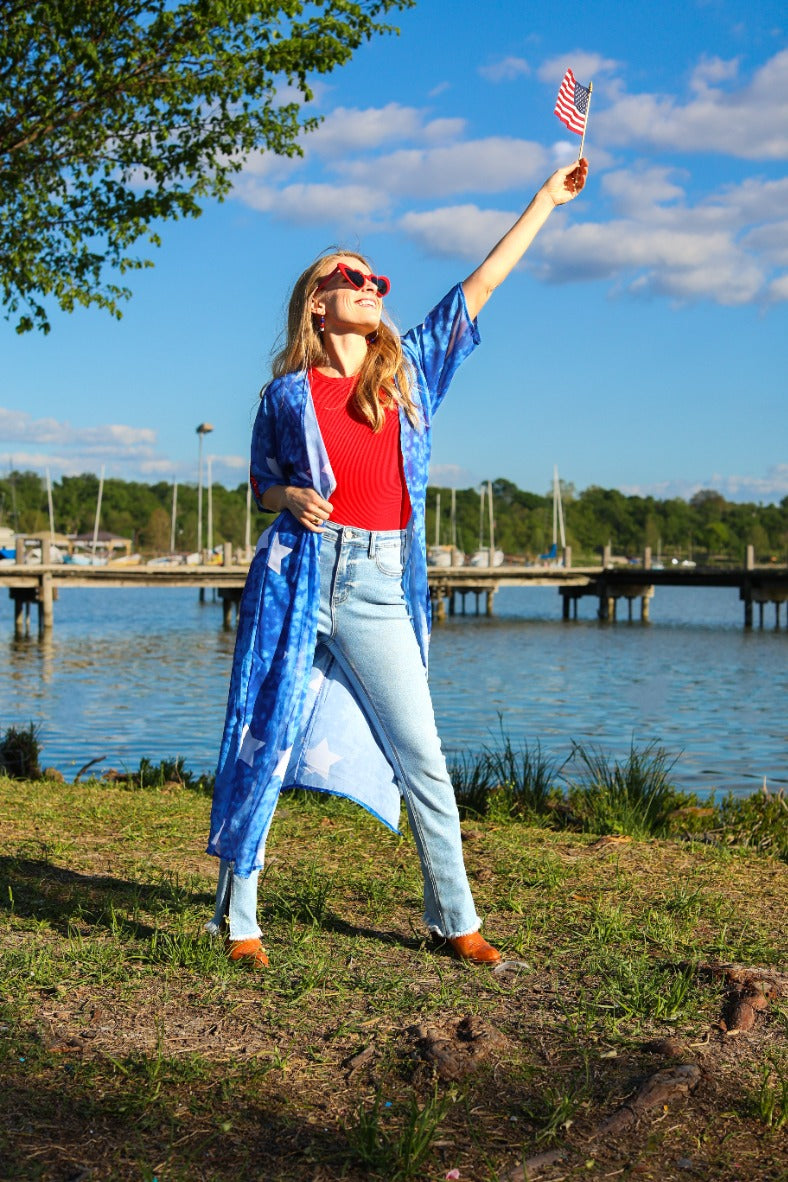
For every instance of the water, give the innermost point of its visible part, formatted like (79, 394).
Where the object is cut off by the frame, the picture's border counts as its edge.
(133, 672)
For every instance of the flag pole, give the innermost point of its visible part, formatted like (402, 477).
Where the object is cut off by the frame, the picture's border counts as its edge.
(585, 125)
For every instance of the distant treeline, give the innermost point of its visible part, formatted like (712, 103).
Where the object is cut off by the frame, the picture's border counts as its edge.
(706, 528)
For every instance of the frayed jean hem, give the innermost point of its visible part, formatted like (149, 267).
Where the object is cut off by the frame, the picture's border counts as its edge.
(434, 930)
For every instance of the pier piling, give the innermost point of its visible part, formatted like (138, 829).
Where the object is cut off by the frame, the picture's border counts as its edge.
(45, 604)
(746, 588)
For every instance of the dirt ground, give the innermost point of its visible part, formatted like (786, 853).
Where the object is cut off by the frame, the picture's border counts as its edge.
(637, 1028)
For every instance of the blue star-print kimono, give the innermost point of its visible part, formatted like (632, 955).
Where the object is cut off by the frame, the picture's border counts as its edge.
(291, 719)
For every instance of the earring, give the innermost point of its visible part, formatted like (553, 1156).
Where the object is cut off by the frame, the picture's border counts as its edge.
(373, 336)
(321, 324)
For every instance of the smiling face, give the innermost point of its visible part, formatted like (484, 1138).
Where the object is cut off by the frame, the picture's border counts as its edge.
(345, 307)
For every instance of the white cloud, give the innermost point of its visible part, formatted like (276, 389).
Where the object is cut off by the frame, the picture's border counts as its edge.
(657, 245)
(771, 239)
(346, 131)
(357, 129)
(751, 122)
(19, 426)
(482, 166)
(341, 205)
(439, 131)
(234, 463)
(132, 453)
(268, 166)
(585, 67)
(713, 69)
(771, 487)
(462, 231)
(494, 164)
(752, 201)
(452, 476)
(651, 260)
(661, 245)
(777, 291)
(505, 70)
(638, 191)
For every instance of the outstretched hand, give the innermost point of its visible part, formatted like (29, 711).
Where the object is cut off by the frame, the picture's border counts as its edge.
(566, 183)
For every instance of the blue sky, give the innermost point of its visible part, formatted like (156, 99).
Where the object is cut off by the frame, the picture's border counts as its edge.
(641, 346)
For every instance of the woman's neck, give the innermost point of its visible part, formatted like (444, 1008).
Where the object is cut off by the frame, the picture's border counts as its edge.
(346, 353)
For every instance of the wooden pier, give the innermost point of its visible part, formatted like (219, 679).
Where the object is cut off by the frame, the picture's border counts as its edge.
(611, 585)
(39, 584)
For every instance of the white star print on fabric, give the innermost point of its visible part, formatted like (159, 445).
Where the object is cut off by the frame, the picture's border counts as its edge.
(277, 552)
(272, 466)
(319, 759)
(262, 541)
(284, 759)
(249, 745)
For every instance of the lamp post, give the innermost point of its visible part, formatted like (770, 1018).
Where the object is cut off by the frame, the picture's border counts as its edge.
(210, 504)
(203, 429)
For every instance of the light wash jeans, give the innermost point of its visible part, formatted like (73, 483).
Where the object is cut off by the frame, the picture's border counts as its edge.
(363, 621)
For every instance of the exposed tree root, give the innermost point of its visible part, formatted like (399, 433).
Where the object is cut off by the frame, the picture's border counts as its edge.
(749, 991)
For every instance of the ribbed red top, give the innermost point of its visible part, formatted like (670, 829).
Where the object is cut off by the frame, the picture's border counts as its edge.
(371, 492)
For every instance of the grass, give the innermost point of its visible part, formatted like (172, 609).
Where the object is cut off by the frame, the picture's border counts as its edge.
(133, 1049)
(635, 797)
(395, 1149)
(770, 1102)
(591, 792)
(19, 752)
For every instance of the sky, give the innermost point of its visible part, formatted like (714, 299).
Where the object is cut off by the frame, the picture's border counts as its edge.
(641, 344)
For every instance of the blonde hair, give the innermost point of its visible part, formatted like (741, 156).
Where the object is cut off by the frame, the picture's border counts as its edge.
(385, 369)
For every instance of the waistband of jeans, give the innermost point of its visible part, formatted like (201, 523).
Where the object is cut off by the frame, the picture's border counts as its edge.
(350, 535)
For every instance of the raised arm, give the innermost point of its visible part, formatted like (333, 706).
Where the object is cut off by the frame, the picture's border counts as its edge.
(562, 186)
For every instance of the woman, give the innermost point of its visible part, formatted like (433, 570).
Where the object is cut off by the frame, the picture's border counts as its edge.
(329, 685)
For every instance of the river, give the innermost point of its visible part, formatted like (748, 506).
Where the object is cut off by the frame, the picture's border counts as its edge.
(133, 673)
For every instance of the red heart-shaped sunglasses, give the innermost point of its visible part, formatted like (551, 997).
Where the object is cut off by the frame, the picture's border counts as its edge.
(357, 279)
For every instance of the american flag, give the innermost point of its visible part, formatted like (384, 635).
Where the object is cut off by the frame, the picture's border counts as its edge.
(572, 103)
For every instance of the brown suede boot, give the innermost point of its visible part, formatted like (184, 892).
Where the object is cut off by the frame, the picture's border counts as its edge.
(474, 948)
(249, 952)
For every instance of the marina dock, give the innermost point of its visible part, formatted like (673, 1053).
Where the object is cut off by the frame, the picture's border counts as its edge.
(451, 588)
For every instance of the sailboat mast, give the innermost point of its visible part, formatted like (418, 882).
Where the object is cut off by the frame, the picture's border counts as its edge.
(558, 511)
(173, 515)
(51, 509)
(437, 519)
(490, 515)
(98, 512)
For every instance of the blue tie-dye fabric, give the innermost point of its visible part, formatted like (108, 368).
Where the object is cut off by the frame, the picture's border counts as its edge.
(292, 720)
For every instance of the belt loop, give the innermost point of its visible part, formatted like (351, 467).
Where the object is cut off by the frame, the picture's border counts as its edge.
(371, 550)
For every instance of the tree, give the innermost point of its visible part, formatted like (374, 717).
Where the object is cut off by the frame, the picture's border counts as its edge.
(116, 115)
